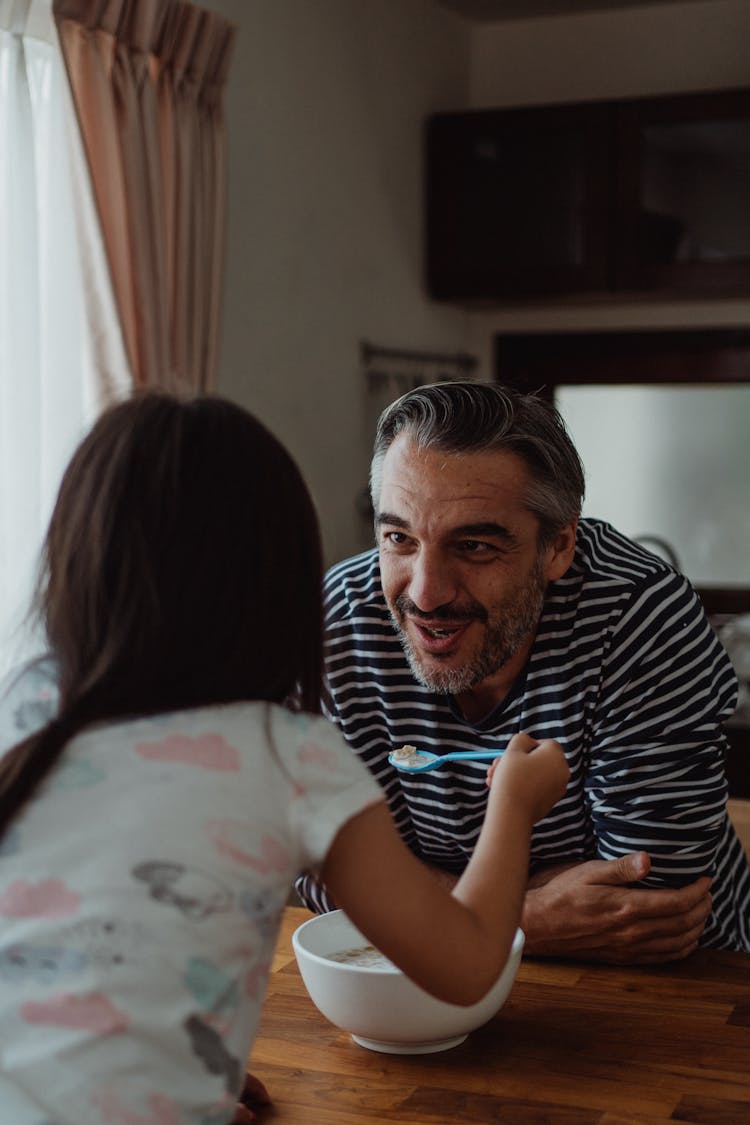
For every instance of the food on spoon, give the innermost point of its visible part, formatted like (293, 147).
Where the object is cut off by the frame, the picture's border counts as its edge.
(405, 753)
(409, 756)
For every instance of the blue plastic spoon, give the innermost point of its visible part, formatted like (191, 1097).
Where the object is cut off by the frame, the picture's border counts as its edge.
(422, 760)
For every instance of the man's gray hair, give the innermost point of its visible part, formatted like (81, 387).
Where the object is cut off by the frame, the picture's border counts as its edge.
(468, 417)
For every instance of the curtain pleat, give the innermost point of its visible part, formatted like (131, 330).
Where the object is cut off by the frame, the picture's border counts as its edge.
(147, 78)
(215, 159)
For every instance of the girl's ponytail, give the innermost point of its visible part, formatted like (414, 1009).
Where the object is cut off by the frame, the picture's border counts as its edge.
(24, 767)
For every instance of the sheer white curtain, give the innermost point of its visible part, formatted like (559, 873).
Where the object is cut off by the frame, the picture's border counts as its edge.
(57, 368)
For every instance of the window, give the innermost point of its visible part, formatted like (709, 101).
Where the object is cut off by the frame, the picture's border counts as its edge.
(45, 400)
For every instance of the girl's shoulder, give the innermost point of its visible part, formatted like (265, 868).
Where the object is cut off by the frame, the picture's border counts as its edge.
(254, 725)
(303, 729)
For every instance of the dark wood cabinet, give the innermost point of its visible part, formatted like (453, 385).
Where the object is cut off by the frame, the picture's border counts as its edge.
(538, 362)
(683, 221)
(516, 201)
(647, 195)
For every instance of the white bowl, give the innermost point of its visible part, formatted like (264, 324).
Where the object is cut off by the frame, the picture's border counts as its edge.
(380, 1007)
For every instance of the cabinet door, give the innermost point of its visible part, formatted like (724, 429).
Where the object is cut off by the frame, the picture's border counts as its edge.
(518, 201)
(684, 194)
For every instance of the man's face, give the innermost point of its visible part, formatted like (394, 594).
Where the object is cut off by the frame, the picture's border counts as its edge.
(462, 572)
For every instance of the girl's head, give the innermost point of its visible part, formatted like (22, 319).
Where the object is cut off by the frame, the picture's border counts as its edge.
(182, 564)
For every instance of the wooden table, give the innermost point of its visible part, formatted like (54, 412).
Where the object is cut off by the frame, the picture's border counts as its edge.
(574, 1044)
(739, 814)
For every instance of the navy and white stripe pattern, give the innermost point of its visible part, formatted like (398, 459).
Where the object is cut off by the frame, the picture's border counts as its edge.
(626, 673)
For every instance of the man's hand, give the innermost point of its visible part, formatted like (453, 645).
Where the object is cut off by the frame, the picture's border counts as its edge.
(254, 1094)
(587, 911)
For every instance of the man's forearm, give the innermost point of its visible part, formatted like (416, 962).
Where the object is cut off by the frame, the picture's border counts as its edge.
(534, 922)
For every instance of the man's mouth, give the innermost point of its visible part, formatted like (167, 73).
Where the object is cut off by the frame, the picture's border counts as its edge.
(437, 638)
(439, 632)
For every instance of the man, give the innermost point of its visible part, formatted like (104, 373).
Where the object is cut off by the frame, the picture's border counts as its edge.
(489, 607)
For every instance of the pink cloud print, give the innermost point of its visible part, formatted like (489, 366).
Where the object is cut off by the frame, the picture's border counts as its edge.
(113, 1110)
(207, 751)
(93, 1012)
(50, 898)
(235, 839)
(313, 754)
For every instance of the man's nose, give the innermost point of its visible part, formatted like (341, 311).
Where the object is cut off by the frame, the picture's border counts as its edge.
(431, 583)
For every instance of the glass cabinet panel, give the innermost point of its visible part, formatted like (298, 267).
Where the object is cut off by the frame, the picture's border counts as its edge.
(695, 188)
(683, 221)
(517, 201)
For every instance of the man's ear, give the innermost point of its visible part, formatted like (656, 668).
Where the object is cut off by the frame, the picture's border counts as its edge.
(559, 554)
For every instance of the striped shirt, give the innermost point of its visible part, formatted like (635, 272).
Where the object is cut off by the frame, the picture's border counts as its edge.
(626, 673)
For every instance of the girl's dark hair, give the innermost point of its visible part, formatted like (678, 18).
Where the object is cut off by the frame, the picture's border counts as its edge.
(182, 567)
(466, 417)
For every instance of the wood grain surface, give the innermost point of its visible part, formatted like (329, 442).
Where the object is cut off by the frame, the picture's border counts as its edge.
(739, 814)
(575, 1044)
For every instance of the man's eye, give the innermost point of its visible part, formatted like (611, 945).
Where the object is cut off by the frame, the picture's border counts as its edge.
(397, 538)
(475, 547)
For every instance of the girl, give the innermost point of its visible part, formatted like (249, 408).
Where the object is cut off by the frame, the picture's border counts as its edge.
(150, 831)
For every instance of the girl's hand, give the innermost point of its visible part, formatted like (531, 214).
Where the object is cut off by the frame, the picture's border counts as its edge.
(534, 771)
(491, 771)
(254, 1094)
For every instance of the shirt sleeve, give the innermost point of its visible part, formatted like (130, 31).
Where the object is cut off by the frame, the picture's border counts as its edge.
(329, 784)
(656, 780)
(313, 894)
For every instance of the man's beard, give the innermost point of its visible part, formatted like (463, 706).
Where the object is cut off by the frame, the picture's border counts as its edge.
(507, 626)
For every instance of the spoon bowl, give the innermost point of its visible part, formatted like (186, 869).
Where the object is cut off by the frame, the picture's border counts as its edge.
(421, 760)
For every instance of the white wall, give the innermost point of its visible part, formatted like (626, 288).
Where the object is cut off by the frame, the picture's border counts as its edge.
(657, 49)
(325, 107)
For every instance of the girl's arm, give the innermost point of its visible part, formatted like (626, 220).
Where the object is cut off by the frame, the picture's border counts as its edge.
(453, 944)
